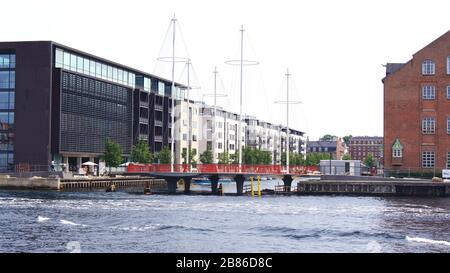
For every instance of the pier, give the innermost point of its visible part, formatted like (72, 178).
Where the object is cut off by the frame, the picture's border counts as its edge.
(372, 186)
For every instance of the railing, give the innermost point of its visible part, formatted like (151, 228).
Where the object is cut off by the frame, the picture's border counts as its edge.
(222, 168)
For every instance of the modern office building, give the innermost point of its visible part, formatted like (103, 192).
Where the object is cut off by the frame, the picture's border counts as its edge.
(417, 110)
(361, 146)
(59, 104)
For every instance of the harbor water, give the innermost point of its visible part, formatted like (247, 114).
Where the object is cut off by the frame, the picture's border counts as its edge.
(49, 221)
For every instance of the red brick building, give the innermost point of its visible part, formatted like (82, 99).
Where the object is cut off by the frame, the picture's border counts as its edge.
(417, 110)
(360, 147)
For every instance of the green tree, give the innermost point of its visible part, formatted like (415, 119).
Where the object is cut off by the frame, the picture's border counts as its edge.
(164, 156)
(224, 158)
(113, 154)
(347, 139)
(192, 154)
(347, 157)
(206, 157)
(313, 159)
(369, 161)
(141, 153)
(327, 137)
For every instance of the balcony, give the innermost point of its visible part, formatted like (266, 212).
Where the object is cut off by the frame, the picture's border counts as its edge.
(158, 123)
(143, 104)
(158, 138)
(159, 107)
(143, 137)
(143, 120)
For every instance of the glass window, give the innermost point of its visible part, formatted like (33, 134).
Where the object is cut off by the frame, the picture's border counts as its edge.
(73, 62)
(131, 79)
(12, 79)
(86, 66)
(161, 87)
(80, 64)
(448, 92)
(448, 160)
(98, 69)
(428, 125)
(4, 60)
(427, 159)
(448, 125)
(4, 123)
(104, 71)
(12, 100)
(115, 77)
(428, 67)
(4, 79)
(120, 75)
(110, 73)
(92, 68)
(4, 100)
(428, 92)
(12, 61)
(66, 60)
(59, 58)
(448, 65)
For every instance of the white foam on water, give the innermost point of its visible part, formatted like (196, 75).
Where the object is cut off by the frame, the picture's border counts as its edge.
(427, 241)
(43, 219)
(65, 222)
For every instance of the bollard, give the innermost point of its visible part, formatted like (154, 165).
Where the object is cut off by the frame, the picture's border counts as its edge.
(259, 186)
(251, 184)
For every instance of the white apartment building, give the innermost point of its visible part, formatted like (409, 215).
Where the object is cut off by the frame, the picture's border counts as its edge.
(270, 137)
(226, 131)
(186, 113)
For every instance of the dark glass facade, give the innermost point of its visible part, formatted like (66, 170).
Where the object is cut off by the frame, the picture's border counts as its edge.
(7, 105)
(92, 111)
(58, 105)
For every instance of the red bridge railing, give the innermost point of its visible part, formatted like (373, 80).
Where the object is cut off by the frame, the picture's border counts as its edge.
(222, 168)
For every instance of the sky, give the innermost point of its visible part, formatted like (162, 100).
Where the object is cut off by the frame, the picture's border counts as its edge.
(334, 50)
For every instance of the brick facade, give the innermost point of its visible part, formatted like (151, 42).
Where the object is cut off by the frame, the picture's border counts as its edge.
(405, 109)
(360, 147)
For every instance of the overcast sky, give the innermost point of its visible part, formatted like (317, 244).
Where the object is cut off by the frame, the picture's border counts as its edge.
(334, 49)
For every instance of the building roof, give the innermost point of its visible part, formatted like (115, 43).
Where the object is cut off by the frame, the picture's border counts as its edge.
(393, 67)
(322, 143)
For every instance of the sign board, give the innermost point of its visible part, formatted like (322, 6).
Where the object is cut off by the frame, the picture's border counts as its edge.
(445, 173)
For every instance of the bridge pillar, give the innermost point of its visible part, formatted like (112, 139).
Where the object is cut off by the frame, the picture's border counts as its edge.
(239, 178)
(214, 182)
(187, 185)
(287, 180)
(172, 184)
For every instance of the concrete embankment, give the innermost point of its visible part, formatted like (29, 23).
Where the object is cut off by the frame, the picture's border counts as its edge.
(37, 183)
(7, 182)
(375, 186)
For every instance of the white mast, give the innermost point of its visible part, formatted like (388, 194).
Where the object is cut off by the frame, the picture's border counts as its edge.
(214, 142)
(189, 117)
(287, 121)
(172, 130)
(240, 100)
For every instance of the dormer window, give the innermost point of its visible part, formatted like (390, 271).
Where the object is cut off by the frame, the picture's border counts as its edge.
(428, 67)
(397, 149)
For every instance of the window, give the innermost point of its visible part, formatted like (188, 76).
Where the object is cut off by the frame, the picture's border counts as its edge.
(448, 92)
(59, 58)
(219, 145)
(184, 136)
(4, 79)
(428, 92)
(232, 147)
(428, 67)
(448, 125)
(397, 149)
(428, 125)
(448, 160)
(219, 135)
(161, 88)
(448, 65)
(427, 159)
